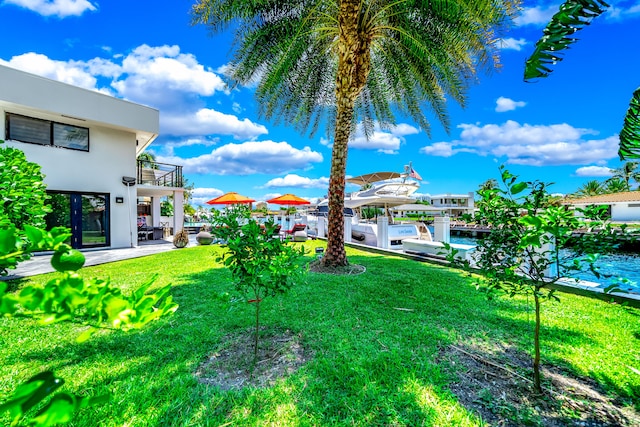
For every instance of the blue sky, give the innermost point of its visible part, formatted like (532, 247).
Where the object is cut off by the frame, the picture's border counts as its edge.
(562, 129)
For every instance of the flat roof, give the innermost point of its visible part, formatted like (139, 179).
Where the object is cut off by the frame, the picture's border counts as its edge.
(22, 92)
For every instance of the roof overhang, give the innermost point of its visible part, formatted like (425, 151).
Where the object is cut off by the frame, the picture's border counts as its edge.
(22, 93)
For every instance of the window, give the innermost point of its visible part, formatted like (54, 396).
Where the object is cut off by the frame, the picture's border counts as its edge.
(86, 214)
(45, 132)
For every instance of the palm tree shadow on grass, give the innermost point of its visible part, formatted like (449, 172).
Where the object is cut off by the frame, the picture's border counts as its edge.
(350, 324)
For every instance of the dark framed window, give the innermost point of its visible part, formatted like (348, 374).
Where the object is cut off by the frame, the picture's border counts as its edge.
(45, 132)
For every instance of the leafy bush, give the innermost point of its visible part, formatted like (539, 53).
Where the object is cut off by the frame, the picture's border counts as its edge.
(93, 302)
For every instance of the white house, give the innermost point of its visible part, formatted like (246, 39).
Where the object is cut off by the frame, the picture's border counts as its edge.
(440, 205)
(623, 207)
(87, 143)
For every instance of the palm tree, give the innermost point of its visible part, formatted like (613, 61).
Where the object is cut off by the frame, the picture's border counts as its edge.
(489, 184)
(629, 171)
(590, 188)
(615, 185)
(559, 34)
(148, 160)
(341, 62)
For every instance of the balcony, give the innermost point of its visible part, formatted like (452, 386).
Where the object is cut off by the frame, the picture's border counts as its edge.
(159, 174)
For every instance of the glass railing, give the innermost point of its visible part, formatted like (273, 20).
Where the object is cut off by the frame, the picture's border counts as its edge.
(159, 174)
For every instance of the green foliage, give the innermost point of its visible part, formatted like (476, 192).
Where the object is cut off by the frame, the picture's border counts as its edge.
(147, 160)
(23, 192)
(630, 133)
(616, 185)
(262, 265)
(367, 363)
(33, 394)
(522, 253)
(92, 302)
(291, 50)
(371, 212)
(558, 35)
(189, 210)
(343, 63)
(166, 208)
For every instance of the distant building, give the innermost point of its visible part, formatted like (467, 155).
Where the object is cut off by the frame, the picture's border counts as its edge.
(622, 207)
(87, 143)
(447, 204)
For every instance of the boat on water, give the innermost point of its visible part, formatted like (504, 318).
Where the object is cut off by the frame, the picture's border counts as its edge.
(379, 191)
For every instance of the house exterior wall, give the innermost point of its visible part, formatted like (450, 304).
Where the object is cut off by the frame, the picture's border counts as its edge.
(117, 130)
(111, 156)
(625, 211)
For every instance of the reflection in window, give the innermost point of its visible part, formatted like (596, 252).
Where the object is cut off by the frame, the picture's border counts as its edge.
(86, 215)
(45, 132)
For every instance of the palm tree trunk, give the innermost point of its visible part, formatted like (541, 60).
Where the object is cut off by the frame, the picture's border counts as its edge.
(353, 69)
(335, 254)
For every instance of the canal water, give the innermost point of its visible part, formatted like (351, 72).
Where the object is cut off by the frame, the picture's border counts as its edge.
(622, 268)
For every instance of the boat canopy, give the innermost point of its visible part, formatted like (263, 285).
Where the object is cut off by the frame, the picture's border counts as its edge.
(370, 178)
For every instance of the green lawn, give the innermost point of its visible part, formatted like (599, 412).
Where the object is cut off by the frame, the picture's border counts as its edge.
(372, 364)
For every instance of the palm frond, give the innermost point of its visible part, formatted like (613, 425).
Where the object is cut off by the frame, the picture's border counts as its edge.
(572, 16)
(630, 133)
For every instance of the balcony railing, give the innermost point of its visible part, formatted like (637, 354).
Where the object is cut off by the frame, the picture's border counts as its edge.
(159, 174)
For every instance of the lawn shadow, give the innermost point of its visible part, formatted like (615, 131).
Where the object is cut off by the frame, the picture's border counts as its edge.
(375, 339)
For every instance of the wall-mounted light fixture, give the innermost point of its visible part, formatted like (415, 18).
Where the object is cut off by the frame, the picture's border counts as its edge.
(129, 181)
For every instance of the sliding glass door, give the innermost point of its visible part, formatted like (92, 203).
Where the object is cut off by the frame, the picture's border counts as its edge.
(86, 214)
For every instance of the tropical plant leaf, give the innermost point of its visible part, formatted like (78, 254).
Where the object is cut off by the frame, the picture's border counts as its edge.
(630, 133)
(572, 16)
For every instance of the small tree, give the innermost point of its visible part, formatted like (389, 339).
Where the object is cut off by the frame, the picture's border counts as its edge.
(262, 265)
(522, 253)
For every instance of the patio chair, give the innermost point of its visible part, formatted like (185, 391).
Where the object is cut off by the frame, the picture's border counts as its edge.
(296, 227)
(145, 232)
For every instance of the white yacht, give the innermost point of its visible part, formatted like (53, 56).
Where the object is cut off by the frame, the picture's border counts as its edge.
(382, 190)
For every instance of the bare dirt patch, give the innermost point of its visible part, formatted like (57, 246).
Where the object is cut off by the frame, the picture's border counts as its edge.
(495, 383)
(231, 367)
(350, 269)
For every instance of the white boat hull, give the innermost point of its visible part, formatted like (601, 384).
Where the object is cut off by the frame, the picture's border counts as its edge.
(437, 248)
(367, 234)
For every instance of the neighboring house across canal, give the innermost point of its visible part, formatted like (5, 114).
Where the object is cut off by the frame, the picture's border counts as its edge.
(622, 207)
(453, 205)
(87, 143)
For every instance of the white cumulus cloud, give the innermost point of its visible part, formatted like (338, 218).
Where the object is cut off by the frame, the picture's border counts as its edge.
(207, 121)
(506, 104)
(252, 157)
(535, 145)
(538, 15)
(510, 43)
(59, 8)
(594, 171)
(200, 196)
(293, 180)
(439, 149)
(71, 72)
(162, 76)
(384, 141)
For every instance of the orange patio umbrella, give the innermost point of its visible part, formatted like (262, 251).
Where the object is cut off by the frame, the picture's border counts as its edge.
(231, 198)
(288, 199)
